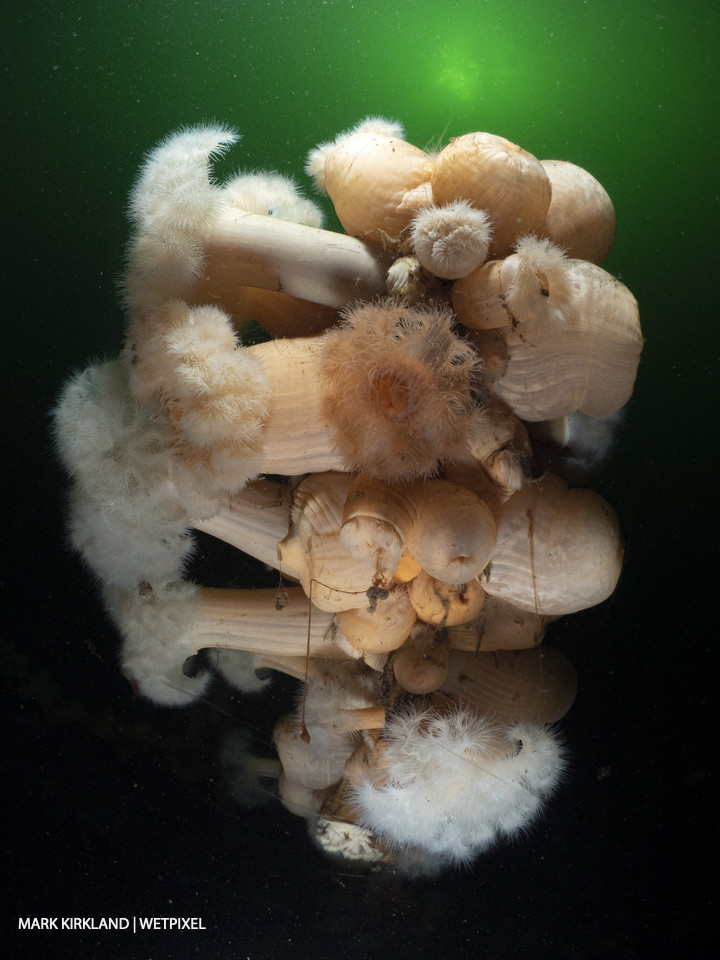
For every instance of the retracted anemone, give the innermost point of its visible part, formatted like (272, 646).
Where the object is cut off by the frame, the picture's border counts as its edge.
(399, 388)
(451, 784)
(372, 126)
(375, 179)
(496, 176)
(581, 217)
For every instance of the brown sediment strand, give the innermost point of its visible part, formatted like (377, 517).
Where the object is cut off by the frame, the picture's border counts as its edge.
(305, 735)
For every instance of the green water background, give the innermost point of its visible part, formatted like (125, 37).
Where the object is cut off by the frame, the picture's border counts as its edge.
(627, 89)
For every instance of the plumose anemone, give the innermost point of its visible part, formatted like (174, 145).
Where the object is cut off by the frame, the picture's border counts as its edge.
(408, 444)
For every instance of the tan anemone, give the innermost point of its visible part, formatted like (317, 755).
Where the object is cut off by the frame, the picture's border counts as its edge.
(446, 528)
(333, 576)
(581, 216)
(398, 388)
(588, 363)
(499, 626)
(445, 604)
(538, 685)
(559, 549)
(454, 532)
(496, 176)
(382, 625)
(421, 665)
(376, 182)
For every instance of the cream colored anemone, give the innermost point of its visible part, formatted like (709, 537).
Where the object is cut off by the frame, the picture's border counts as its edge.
(397, 448)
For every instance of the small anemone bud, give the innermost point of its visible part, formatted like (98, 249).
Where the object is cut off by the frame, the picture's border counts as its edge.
(381, 628)
(406, 278)
(446, 604)
(452, 240)
(399, 388)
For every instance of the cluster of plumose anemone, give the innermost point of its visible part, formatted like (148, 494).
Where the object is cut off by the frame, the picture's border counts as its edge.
(410, 447)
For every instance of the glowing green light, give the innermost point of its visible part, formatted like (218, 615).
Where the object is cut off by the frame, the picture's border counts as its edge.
(461, 80)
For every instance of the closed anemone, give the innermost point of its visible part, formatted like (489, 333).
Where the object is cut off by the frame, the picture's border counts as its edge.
(398, 388)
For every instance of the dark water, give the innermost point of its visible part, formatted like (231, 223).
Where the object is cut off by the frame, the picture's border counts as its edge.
(117, 808)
